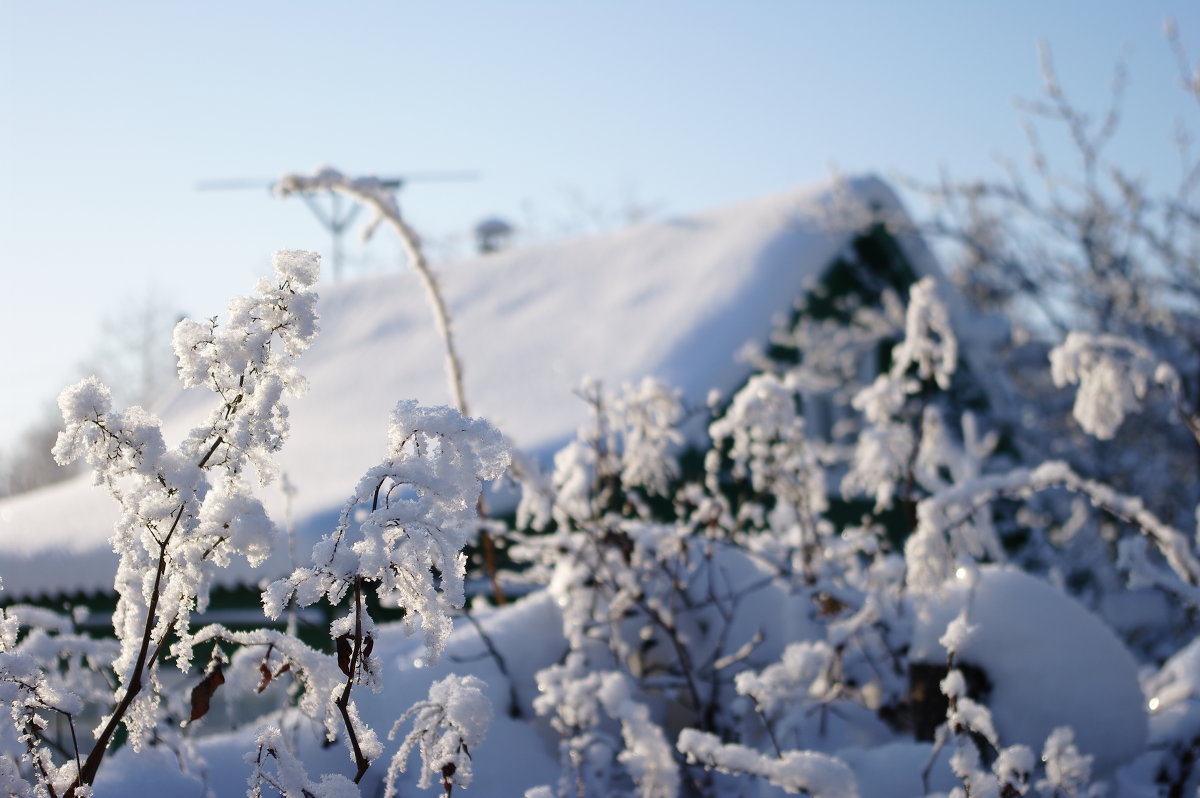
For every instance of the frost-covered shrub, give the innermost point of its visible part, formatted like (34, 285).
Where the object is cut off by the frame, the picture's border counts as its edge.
(851, 645)
(903, 603)
(188, 510)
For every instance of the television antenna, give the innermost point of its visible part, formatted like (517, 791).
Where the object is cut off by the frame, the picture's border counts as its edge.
(335, 212)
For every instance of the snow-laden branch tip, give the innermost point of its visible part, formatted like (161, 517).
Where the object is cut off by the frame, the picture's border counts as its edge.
(420, 512)
(929, 343)
(1113, 374)
(447, 726)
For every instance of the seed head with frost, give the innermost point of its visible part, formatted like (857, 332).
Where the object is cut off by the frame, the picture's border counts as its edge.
(446, 727)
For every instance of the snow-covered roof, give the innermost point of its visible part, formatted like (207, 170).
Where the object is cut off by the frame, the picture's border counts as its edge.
(673, 299)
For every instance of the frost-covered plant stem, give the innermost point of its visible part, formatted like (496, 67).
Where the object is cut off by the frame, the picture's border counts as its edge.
(87, 774)
(361, 763)
(177, 519)
(371, 192)
(145, 660)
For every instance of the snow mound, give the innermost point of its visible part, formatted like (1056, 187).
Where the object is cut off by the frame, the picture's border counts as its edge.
(1049, 660)
(1175, 697)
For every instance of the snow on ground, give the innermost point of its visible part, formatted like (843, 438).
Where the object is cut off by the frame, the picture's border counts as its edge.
(1048, 660)
(516, 754)
(675, 299)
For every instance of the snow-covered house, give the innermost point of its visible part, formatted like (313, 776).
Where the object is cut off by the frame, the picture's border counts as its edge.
(676, 299)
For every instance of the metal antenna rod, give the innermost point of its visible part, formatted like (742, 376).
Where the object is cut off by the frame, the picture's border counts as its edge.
(336, 222)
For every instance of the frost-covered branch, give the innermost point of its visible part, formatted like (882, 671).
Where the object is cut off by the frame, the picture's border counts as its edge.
(371, 192)
(931, 559)
(799, 772)
(420, 513)
(1113, 374)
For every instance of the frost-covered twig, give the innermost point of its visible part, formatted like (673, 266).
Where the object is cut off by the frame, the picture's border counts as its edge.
(446, 727)
(514, 704)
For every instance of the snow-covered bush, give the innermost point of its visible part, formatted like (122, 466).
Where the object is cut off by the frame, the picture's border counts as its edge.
(187, 510)
(780, 647)
(902, 603)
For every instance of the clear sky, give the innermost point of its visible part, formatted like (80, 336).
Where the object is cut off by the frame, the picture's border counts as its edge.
(110, 112)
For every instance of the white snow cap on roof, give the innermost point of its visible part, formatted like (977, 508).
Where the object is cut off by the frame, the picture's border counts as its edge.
(673, 299)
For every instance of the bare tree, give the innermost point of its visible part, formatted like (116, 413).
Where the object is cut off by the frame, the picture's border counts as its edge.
(133, 351)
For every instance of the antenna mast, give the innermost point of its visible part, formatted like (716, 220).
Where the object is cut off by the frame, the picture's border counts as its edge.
(335, 221)
(340, 213)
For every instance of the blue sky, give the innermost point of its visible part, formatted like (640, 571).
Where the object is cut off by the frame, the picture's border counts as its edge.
(112, 111)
